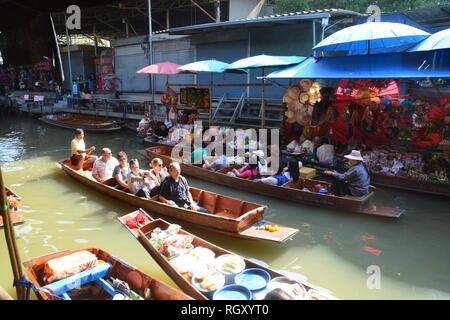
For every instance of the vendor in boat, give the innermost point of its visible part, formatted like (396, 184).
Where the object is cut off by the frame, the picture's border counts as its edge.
(158, 173)
(103, 168)
(354, 182)
(325, 153)
(121, 171)
(139, 182)
(175, 190)
(80, 154)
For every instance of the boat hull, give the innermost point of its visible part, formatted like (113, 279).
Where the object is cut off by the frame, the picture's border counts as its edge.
(353, 204)
(138, 280)
(53, 120)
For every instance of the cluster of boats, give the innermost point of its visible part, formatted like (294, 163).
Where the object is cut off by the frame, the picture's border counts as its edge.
(104, 276)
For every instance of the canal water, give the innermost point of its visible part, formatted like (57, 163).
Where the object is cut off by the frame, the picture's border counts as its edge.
(354, 256)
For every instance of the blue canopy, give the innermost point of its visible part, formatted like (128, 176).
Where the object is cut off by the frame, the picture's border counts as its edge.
(415, 65)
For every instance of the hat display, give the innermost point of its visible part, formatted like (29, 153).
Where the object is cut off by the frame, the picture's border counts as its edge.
(355, 155)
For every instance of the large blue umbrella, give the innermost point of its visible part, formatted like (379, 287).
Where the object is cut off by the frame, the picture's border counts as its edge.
(437, 41)
(262, 61)
(373, 38)
(389, 65)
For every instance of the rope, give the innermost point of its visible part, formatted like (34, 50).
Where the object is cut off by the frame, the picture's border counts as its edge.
(23, 282)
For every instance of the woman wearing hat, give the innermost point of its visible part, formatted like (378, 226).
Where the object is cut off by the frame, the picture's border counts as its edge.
(355, 181)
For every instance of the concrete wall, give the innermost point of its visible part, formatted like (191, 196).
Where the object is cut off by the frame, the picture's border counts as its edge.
(130, 56)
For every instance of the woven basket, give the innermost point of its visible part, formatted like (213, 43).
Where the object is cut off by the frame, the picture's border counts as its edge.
(293, 92)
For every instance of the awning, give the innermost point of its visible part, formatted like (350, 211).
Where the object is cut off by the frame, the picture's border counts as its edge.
(415, 65)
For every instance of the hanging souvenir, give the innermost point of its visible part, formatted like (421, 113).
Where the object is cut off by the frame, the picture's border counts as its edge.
(305, 84)
(303, 98)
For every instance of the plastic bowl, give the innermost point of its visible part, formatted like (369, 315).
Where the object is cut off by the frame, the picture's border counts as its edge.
(229, 276)
(253, 279)
(208, 293)
(233, 292)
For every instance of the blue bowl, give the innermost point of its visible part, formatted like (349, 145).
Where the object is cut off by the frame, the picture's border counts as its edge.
(253, 279)
(233, 292)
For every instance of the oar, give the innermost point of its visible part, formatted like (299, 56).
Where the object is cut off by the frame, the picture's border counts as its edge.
(11, 241)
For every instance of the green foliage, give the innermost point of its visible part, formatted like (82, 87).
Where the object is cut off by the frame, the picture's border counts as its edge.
(286, 6)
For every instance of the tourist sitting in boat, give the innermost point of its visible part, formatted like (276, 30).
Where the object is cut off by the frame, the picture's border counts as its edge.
(80, 154)
(355, 181)
(216, 163)
(158, 174)
(199, 153)
(281, 177)
(175, 190)
(325, 153)
(103, 168)
(139, 182)
(121, 171)
(249, 171)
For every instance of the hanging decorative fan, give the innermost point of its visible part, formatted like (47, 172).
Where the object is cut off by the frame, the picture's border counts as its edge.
(377, 87)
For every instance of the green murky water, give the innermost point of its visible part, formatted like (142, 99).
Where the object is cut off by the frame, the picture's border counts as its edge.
(333, 249)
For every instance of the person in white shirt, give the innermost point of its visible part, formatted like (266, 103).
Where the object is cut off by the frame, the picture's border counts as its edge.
(103, 168)
(325, 153)
(139, 182)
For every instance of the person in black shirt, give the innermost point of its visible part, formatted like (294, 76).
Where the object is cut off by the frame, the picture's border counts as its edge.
(175, 190)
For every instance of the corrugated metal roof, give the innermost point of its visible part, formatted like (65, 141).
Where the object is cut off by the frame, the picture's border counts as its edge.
(281, 18)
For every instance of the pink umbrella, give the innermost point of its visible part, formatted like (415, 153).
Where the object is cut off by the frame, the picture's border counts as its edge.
(163, 68)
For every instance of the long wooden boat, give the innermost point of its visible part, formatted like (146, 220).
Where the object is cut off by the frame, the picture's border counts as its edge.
(289, 191)
(228, 216)
(95, 278)
(85, 122)
(183, 281)
(14, 213)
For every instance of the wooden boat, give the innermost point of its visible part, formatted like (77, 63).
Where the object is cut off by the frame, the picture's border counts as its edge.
(93, 284)
(228, 216)
(289, 191)
(397, 182)
(85, 122)
(16, 217)
(182, 281)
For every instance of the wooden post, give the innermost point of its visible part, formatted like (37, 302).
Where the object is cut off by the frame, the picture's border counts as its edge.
(11, 240)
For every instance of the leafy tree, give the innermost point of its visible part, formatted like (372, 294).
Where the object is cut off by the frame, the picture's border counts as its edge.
(286, 6)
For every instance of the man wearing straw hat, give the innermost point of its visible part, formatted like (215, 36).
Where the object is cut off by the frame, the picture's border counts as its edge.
(355, 181)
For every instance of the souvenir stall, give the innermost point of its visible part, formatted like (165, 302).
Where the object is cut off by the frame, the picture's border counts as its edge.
(404, 140)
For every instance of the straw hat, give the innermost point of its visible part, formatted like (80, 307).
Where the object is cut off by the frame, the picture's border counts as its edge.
(355, 155)
(287, 98)
(305, 83)
(303, 98)
(293, 92)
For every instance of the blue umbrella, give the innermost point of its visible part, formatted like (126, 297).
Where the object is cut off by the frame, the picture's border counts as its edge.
(437, 41)
(372, 38)
(262, 61)
(389, 65)
(206, 66)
